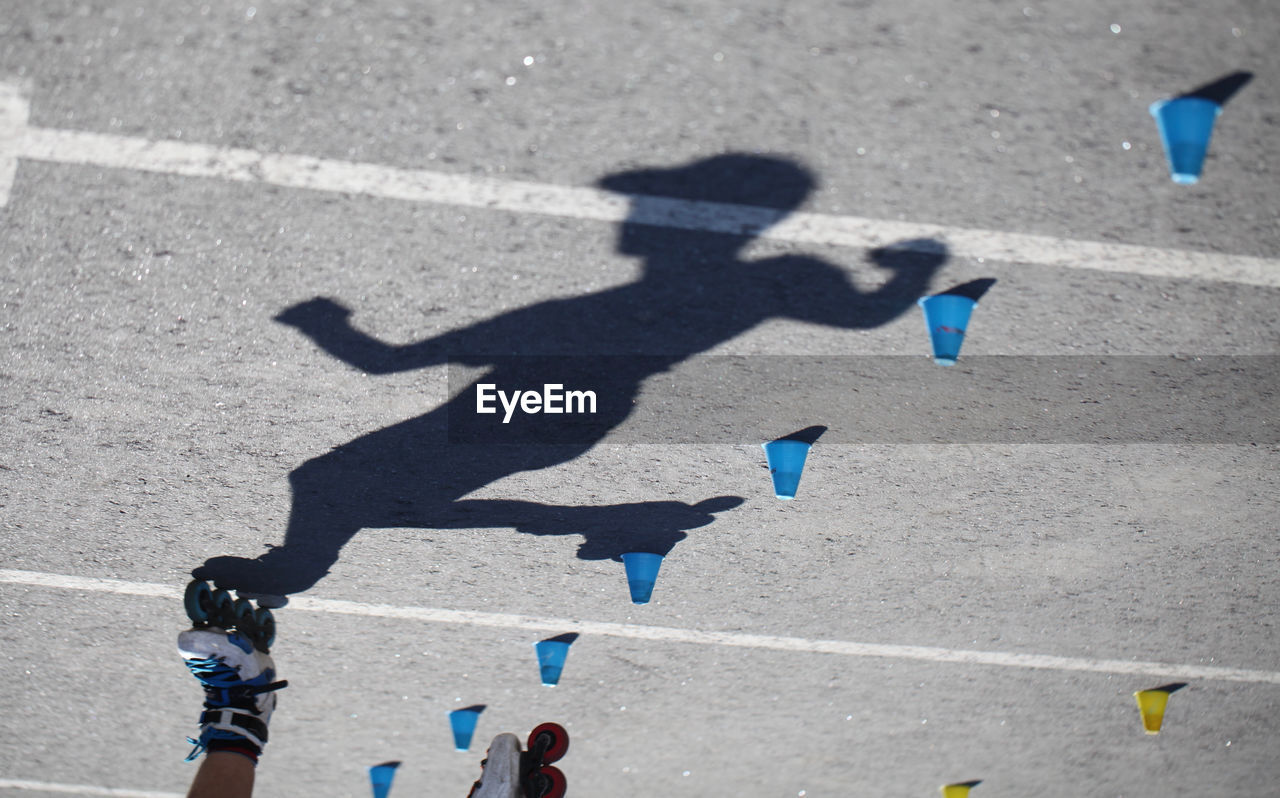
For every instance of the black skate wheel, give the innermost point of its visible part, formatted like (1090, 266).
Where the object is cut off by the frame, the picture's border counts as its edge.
(266, 623)
(548, 782)
(245, 622)
(222, 609)
(198, 601)
(554, 741)
(242, 610)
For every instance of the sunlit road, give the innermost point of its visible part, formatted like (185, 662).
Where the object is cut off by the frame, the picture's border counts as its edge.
(242, 244)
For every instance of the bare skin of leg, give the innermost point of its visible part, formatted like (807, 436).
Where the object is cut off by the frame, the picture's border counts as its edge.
(223, 774)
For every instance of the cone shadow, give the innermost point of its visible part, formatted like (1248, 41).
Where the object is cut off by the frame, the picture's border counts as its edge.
(807, 435)
(1223, 89)
(567, 637)
(974, 289)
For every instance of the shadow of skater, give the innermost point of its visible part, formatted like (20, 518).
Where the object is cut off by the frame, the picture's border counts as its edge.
(695, 293)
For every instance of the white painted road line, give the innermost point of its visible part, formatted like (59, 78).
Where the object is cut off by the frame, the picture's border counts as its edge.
(675, 635)
(14, 111)
(18, 140)
(81, 789)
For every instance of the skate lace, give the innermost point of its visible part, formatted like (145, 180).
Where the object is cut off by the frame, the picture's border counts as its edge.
(202, 744)
(214, 672)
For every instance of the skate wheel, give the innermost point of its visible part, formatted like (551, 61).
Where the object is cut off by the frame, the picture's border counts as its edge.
(198, 601)
(245, 622)
(242, 610)
(548, 782)
(222, 609)
(266, 623)
(554, 741)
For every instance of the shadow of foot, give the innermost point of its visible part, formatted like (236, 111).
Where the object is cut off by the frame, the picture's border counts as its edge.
(608, 531)
(276, 574)
(611, 531)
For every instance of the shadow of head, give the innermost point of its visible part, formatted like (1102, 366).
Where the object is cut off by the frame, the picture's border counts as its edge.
(761, 190)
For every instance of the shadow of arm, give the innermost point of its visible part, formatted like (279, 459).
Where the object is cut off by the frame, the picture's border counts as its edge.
(830, 298)
(328, 324)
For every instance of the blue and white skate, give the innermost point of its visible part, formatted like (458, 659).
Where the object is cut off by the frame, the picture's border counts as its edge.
(226, 650)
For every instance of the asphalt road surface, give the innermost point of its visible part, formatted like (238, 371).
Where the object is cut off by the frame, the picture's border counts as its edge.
(255, 256)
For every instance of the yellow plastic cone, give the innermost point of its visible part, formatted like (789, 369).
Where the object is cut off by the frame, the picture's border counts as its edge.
(959, 790)
(1151, 703)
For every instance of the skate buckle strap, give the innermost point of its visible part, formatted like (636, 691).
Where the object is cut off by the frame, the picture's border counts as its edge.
(241, 696)
(223, 718)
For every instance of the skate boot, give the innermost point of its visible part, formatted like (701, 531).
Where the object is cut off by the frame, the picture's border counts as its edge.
(509, 772)
(226, 650)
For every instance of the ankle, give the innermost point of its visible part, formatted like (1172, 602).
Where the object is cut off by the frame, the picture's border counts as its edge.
(241, 746)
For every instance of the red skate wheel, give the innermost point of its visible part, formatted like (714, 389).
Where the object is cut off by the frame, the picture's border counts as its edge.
(548, 782)
(555, 747)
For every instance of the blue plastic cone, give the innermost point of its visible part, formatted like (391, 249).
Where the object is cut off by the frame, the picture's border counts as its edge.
(380, 776)
(642, 572)
(463, 722)
(1185, 126)
(786, 461)
(551, 654)
(946, 316)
